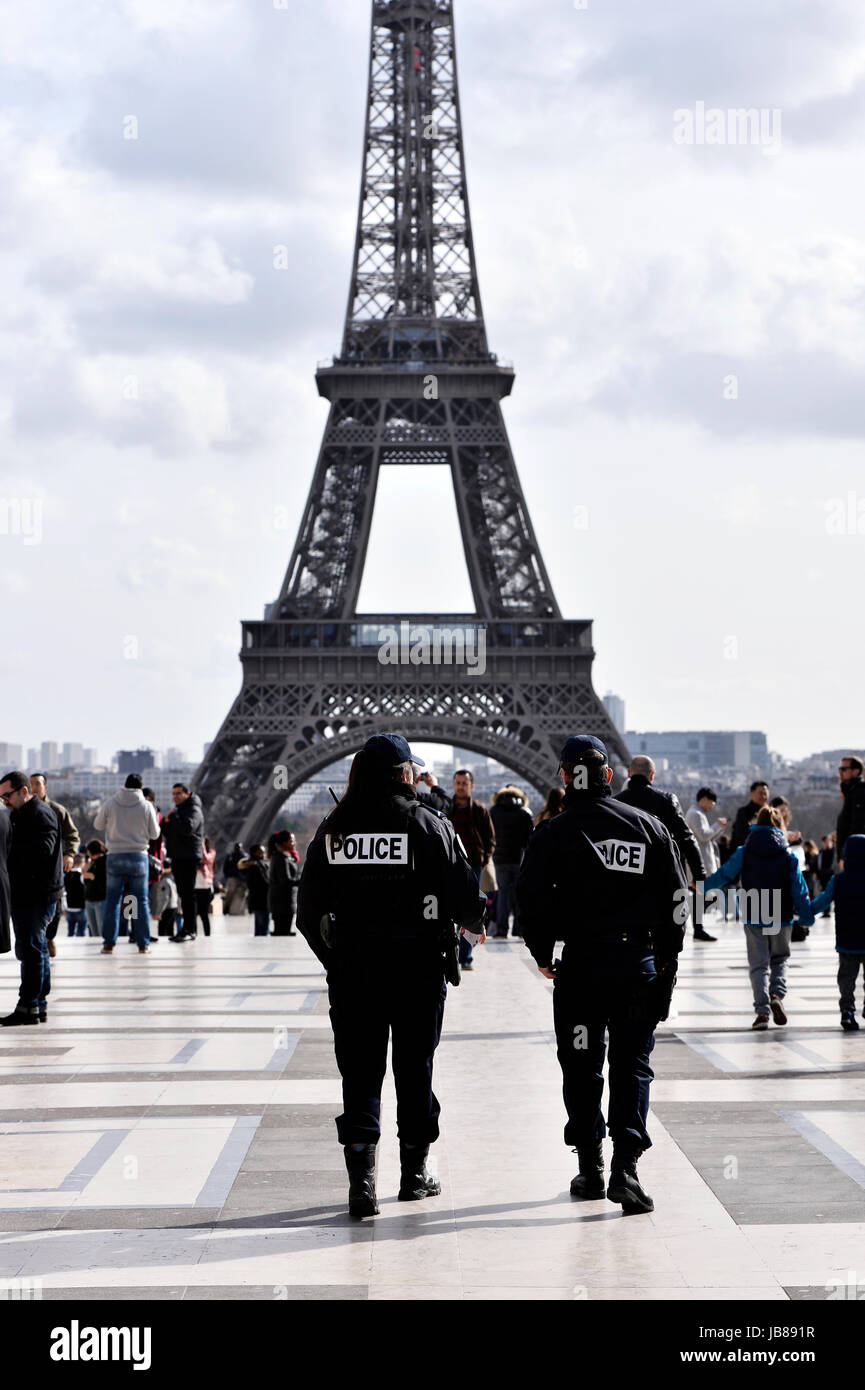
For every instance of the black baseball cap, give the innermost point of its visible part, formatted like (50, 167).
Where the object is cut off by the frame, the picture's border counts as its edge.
(391, 750)
(578, 744)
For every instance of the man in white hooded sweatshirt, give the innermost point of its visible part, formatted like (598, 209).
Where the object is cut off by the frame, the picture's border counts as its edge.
(127, 823)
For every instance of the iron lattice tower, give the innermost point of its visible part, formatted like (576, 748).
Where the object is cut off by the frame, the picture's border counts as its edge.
(415, 383)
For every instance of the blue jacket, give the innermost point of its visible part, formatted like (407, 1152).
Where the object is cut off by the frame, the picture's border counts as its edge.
(761, 856)
(847, 891)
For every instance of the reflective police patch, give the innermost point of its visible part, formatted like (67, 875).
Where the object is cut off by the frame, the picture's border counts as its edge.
(621, 855)
(367, 849)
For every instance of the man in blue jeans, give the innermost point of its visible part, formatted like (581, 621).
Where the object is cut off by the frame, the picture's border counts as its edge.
(36, 879)
(129, 824)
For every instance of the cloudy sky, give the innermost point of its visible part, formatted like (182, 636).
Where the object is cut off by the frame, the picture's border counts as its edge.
(685, 320)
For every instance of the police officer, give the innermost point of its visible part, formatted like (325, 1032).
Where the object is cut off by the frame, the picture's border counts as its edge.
(384, 882)
(605, 878)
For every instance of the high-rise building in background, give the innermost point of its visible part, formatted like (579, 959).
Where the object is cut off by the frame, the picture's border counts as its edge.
(72, 755)
(33, 760)
(91, 757)
(174, 757)
(615, 707)
(11, 756)
(49, 757)
(696, 748)
(138, 761)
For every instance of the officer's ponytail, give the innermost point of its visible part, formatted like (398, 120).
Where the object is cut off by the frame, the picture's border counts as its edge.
(367, 780)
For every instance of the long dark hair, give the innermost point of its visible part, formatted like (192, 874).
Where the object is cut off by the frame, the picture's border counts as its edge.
(368, 780)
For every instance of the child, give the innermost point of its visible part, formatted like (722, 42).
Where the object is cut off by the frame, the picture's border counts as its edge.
(847, 891)
(164, 900)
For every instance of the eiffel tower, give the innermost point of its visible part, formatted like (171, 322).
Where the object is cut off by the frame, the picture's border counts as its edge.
(415, 383)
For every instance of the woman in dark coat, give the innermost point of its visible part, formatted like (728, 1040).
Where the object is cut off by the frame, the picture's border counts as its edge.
(282, 886)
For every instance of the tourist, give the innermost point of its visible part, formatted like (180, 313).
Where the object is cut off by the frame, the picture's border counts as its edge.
(76, 902)
(512, 824)
(234, 890)
(664, 806)
(129, 823)
(35, 865)
(254, 870)
(5, 897)
(706, 833)
(204, 885)
(852, 818)
(769, 867)
(283, 878)
(70, 839)
(553, 806)
(164, 900)
(430, 793)
(825, 868)
(747, 814)
(95, 885)
(847, 890)
(812, 866)
(183, 832)
(471, 821)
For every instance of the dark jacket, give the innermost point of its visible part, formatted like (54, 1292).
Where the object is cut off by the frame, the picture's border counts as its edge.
(392, 883)
(36, 855)
(665, 807)
(742, 823)
(479, 839)
(257, 880)
(183, 830)
(826, 861)
(847, 891)
(95, 888)
(438, 799)
(74, 885)
(601, 873)
(5, 896)
(767, 865)
(282, 887)
(513, 825)
(852, 818)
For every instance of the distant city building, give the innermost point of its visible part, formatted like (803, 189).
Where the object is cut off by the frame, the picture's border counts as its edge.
(174, 757)
(702, 748)
(72, 755)
(91, 757)
(49, 758)
(140, 761)
(615, 707)
(99, 783)
(11, 756)
(33, 760)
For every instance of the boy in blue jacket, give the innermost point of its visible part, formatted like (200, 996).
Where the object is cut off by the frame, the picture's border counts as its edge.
(847, 891)
(775, 892)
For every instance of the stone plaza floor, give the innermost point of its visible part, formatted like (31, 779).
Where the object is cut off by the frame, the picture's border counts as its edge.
(169, 1134)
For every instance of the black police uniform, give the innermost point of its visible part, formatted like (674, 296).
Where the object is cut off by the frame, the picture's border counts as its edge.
(389, 891)
(605, 878)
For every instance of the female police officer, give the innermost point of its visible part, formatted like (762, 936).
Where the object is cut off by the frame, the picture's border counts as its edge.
(384, 882)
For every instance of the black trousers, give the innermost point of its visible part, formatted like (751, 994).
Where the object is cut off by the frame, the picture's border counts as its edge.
(595, 999)
(848, 970)
(203, 899)
(283, 922)
(184, 871)
(367, 1005)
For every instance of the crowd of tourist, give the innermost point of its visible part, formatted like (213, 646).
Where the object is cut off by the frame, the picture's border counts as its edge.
(149, 868)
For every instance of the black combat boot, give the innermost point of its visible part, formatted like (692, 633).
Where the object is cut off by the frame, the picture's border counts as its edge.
(589, 1182)
(415, 1182)
(625, 1185)
(361, 1180)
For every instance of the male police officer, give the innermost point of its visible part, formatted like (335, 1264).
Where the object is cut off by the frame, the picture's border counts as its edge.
(605, 878)
(384, 882)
